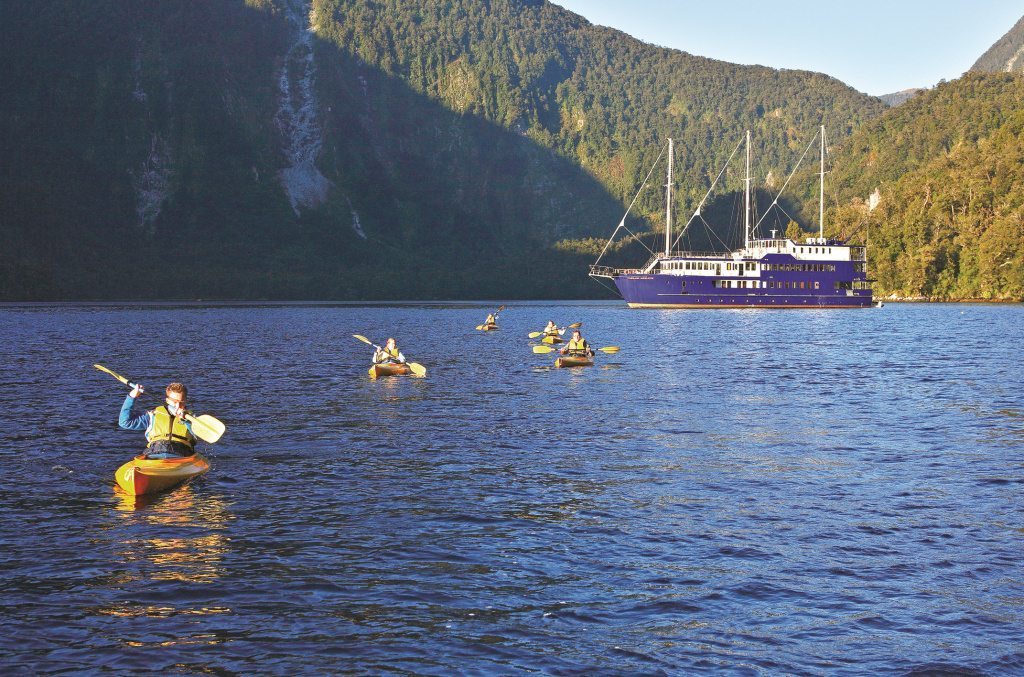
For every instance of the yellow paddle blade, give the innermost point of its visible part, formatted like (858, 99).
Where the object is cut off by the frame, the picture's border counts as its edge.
(535, 334)
(120, 378)
(417, 369)
(206, 427)
(363, 339)
(479, 327)
(575, 325)
(543, 350)
(609, 349)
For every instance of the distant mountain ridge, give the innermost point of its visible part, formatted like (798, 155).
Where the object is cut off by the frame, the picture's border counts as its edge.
(1006, 55)
(897, 98)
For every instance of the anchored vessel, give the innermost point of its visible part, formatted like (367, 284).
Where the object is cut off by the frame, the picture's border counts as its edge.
(773, 273)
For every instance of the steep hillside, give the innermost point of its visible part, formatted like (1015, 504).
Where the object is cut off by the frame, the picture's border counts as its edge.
(938, 186)
(1007, 55)
(352, 149)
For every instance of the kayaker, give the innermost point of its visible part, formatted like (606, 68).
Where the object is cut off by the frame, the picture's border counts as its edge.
(551, 329)
(389, 354)
(577, 346)
(168, 434)
(491, 321)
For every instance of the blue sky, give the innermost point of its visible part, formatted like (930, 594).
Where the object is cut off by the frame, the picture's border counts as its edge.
(875, 46)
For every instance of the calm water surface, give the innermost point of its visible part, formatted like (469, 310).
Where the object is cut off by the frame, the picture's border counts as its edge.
(748, 491)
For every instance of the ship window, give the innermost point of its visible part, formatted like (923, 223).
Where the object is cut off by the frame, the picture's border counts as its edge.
(817, 285)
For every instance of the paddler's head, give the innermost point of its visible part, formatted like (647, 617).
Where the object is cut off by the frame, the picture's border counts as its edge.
(390, 345)
(576, 334)
(176, 394)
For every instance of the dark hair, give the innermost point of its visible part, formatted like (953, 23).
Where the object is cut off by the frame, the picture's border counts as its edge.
(178, 388)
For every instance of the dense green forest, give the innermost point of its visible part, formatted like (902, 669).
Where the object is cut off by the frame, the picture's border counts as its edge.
(145, 153)
(948, 168)
(437, 149)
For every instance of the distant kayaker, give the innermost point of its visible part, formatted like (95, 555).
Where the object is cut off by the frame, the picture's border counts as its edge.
(577, 346)
(168, 434)
(490, 321)
(551, 329)
(389, 354)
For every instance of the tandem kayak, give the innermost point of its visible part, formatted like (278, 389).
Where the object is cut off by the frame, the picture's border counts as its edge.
(569, 361)
(389, 370)
(143, 475)
(552, 340)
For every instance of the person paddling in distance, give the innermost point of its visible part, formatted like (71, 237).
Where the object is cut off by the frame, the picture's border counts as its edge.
(551, 329)
(168, 434)
(389, 354)
(577, 346)
(491, 321)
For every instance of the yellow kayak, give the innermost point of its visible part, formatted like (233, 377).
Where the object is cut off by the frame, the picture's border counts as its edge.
(570, 361)
(487, 327)
(389, 370)
(143, 475)
(550, 340)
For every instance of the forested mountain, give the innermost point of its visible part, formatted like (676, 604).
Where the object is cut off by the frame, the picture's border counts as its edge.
(353, 148)
(937, 186)
(1007, 55)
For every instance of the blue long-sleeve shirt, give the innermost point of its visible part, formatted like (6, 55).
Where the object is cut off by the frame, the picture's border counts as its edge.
(129, 420)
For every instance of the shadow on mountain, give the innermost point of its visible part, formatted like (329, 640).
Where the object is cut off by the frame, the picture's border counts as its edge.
(108, 105)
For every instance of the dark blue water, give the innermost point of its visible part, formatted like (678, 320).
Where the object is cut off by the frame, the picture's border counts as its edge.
(749, 491)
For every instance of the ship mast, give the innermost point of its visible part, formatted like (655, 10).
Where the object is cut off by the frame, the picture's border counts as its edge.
(668, 203)
(821, 189)
(746, 216)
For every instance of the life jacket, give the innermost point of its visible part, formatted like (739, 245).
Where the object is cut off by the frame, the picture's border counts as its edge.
(581, 346)
(551, 331)
(167, 428)
(386, 355)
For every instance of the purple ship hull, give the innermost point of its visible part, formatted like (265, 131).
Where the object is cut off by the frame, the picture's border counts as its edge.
(773, 281)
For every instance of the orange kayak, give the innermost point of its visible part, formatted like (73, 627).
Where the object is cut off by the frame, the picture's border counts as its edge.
(569, 361)
(143, 475)
(389, 370)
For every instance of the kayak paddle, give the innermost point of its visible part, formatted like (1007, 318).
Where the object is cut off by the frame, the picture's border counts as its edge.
(574, 325)
(543, 350)
(415, 368)
(205, 427)
(480, 327)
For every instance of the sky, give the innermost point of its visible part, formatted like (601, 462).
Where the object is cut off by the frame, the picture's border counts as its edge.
(875, 46)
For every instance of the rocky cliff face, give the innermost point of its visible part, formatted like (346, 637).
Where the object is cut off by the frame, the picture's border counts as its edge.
(1007, 55)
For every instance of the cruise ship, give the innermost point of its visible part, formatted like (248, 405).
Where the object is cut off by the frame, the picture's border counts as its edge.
(765, 273)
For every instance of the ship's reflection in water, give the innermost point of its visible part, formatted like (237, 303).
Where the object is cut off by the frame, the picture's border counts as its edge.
(169, 553)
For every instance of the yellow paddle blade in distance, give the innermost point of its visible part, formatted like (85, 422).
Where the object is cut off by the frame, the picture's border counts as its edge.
(535, 334)
(479, 327)
(417, 369)
(363, 339)
(543, 350)
(609, 349)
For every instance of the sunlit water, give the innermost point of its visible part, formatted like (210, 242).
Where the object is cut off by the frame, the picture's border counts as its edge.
(763, 491)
